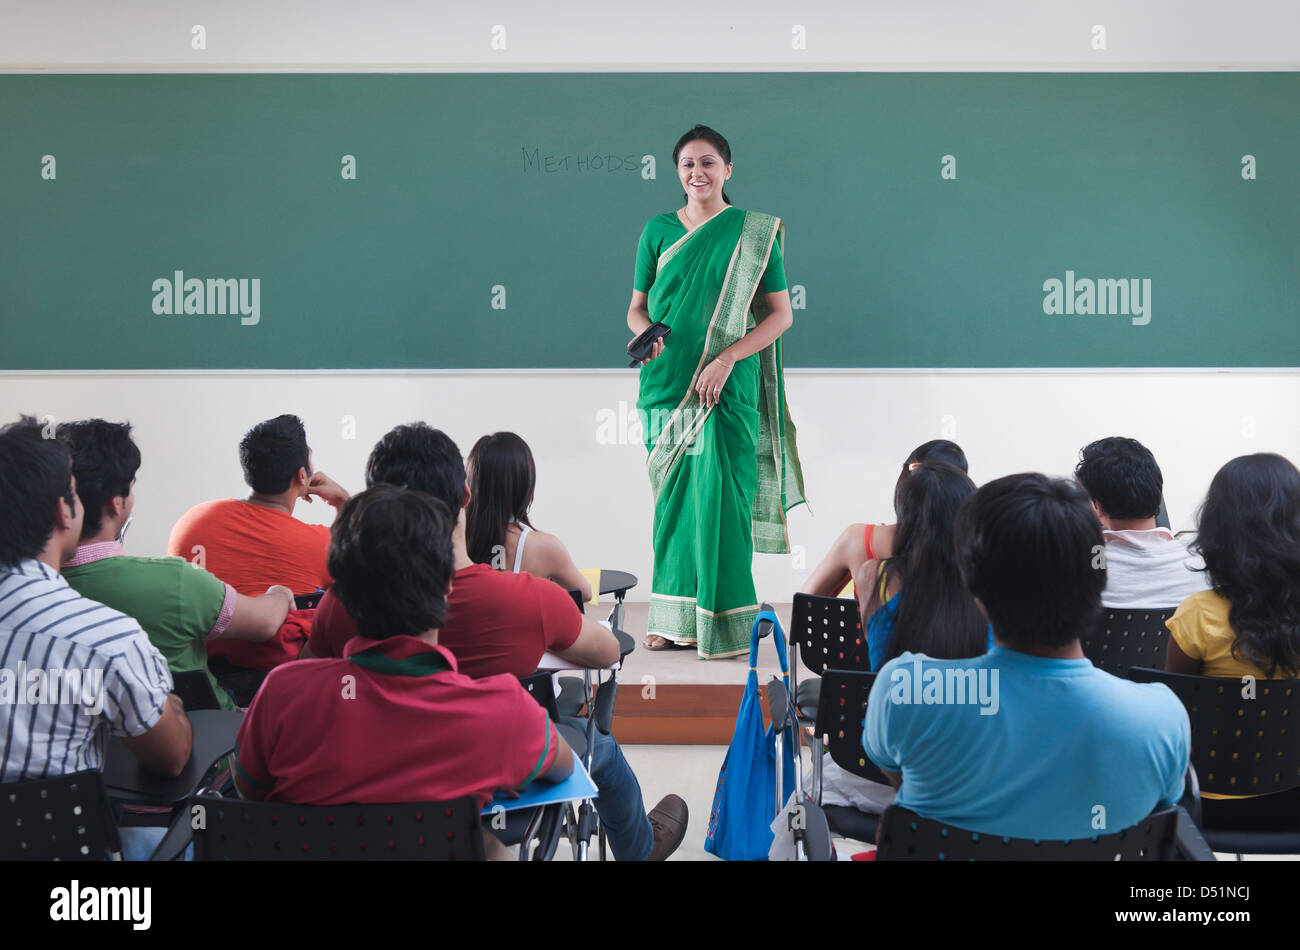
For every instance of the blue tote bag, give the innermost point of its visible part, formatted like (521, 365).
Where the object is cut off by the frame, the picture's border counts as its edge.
(744, 804)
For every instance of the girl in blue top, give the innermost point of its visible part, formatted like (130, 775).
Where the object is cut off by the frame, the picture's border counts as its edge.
(916, 600)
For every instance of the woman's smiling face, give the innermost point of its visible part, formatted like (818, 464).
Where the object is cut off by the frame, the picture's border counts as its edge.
(702, 170)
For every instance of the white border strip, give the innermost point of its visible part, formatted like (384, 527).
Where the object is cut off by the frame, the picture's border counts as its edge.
(1082, 66)
(602, 371)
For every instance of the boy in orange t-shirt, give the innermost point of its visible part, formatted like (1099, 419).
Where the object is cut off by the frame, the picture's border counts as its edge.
(255, 542)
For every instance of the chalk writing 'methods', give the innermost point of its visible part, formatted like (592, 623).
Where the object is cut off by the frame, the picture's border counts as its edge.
(1123, 296)
(240, 296)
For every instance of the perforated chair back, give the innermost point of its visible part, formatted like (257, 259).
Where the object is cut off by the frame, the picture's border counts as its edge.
(1127, 637)
(840, 716)
(542, 688)
(195, 690)
(235, 830)
(67, 818)
(906, 836)
(1240, 746)
(828, 633)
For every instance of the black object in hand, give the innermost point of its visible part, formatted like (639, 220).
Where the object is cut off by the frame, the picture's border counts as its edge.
(644, 344)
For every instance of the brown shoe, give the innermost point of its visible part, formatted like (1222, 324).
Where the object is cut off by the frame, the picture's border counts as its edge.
(668, 819)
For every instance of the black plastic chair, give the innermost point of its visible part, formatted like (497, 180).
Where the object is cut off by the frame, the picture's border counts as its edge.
(67, 818)
(235, 830)
(1128, 637)
(806, 821)
(195, 690)
(840, 717)
(906, 836)
(537, 832)
(826, 633)
(1243, 746)
(241, 682)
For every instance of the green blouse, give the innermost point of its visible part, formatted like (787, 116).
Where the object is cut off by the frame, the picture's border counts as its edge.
(663, 230)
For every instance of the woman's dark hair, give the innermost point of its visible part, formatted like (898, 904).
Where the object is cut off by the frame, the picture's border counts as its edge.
(35, 472)
(1249, 536)
(104, 460)
(421, 457)
(714, 139)
(936, 450)
(936, 614)
(502, 476)
(272, 452)
(1030, 548)
(1122, 476)
(391, 559)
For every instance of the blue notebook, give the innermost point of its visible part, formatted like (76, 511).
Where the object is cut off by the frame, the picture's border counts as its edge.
(574, 788)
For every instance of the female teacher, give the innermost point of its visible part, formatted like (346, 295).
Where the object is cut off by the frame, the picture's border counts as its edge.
(722, 459)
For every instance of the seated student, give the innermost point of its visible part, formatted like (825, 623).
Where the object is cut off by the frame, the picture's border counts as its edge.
(1146, 566)
(503, 623)
(502, 477)
(46, 627)
(1042, 744)
(859, 543)
(180, 606)
(1248, 623)
(410, 727)
(916, 600)
(253, 543)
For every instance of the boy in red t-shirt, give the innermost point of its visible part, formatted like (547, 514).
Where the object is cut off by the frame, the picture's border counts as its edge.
(310, 735)
(499, 622)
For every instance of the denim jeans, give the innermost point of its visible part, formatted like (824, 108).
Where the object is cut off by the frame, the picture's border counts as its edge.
(621, 810)
(140, 841)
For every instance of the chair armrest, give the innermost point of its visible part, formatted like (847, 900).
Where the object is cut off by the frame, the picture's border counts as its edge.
(1188, 841)
(178, 837)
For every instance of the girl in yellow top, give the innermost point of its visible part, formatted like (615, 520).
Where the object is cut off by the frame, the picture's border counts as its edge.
(1248, 623)
(1249, 536)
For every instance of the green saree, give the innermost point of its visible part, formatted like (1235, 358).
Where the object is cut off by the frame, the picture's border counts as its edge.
(722, 478)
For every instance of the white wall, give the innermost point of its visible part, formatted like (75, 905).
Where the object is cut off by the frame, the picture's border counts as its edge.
(855, 428)
(854, 431)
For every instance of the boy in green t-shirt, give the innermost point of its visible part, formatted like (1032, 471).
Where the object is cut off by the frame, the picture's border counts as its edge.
(180, 606)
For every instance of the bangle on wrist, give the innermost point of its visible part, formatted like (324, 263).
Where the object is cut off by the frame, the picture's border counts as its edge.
(719, 359)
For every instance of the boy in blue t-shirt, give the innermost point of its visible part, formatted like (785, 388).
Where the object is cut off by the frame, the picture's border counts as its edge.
(1030, 740)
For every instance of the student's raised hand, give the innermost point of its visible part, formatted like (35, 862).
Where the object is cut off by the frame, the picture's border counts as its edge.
(324, 487)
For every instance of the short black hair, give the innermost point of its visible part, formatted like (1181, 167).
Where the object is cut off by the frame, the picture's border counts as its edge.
(1122, 475)
(35, 472)
(272, 452)
(421, 457)
(105, 460)
(1031, 549)
(391, 559)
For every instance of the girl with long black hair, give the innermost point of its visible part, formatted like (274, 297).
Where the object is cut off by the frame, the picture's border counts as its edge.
(916, 600)
(1248, 623)
(502, 476)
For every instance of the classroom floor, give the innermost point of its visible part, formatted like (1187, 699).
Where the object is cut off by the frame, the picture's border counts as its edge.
(692, 773)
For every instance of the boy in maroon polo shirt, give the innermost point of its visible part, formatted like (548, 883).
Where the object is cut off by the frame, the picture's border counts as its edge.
(498, 622)
(393, 721)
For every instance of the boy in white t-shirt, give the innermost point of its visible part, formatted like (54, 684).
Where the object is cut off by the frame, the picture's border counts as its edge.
(1146, 566)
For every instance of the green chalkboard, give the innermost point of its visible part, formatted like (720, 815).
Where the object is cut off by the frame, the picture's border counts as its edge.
(1133, 192)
